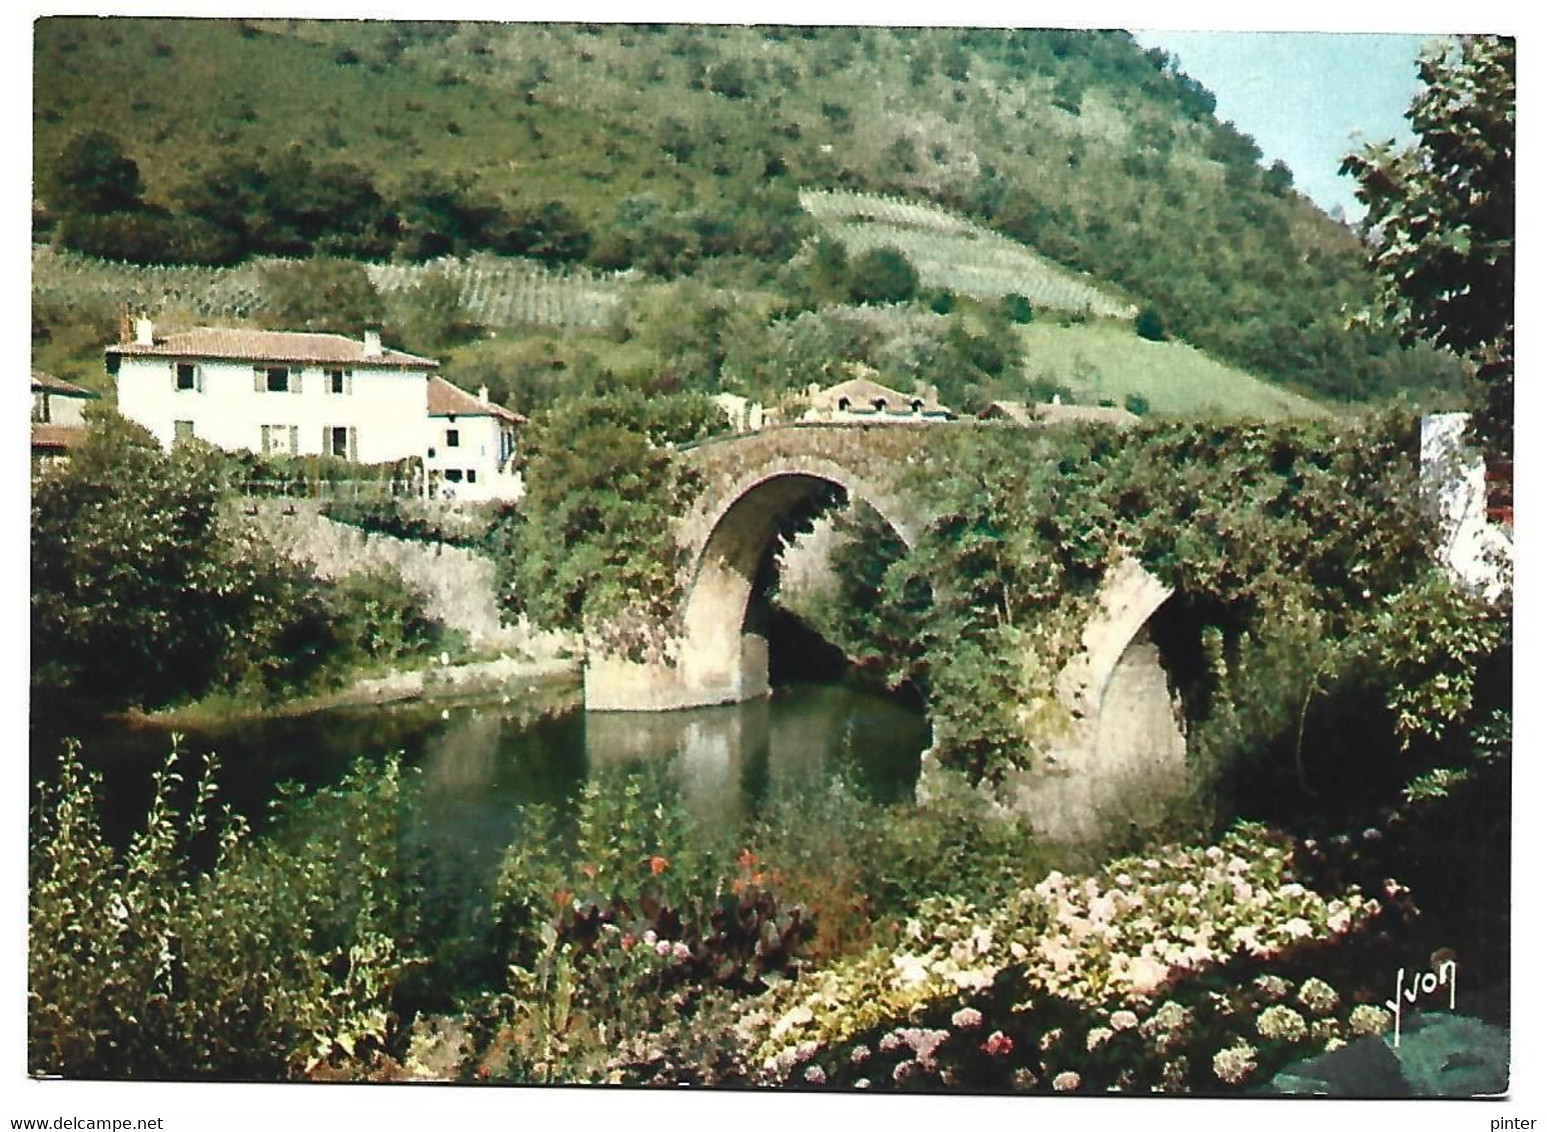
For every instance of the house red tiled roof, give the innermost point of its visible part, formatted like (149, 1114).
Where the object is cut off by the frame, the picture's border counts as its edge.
(270, 346)
(862, 393)
(52, 384)
(56, 438)
(446, 400)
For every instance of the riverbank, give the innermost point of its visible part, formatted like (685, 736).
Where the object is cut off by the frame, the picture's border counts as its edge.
(431, 682)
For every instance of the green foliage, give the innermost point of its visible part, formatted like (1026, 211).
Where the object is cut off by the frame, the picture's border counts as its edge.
(882, 275)
(1359, 628)
(1441, 216)
(201, 952)
(1137, 404)
(93, 175)
(592, 540)
(146, 593)
(1017, 308)
(1148, 324)
(329, 295)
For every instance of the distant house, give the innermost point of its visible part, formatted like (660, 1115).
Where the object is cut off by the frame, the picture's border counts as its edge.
(58, 423)
(744, 414)
(304, 394)
(471, 443)
(1017, 412)
(862, 400)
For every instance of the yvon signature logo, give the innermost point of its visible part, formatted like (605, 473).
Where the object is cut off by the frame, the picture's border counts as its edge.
(1441, 977)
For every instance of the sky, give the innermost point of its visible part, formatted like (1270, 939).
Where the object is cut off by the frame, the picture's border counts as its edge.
(1306, 98)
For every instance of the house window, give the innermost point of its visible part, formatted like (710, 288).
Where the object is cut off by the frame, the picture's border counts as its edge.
(453, 437)
(453, 475)
(338, 442)
(472, 475)
(340, 381)
(279, 440)
(40, 408)
(277, 379)
(182, 430)
(187, 379)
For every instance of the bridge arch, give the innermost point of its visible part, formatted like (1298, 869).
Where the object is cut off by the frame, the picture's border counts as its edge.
(735, 529)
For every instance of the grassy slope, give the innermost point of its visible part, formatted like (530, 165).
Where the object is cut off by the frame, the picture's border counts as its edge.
(1108, 361)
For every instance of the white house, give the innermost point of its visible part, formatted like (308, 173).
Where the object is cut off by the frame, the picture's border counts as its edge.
(58, 421)
(304, 394)
(275, 391)
(471, 442)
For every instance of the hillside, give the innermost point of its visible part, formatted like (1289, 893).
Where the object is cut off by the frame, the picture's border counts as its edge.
(686, 152)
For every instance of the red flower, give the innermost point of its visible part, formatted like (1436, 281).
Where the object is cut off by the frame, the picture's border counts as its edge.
(998, 1043)
(747, 859)
(658, 865)
(589, 871)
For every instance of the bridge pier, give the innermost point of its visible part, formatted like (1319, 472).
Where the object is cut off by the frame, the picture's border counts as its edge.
(615, 683)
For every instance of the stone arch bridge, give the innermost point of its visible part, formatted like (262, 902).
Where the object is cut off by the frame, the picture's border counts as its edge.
(1114, 728)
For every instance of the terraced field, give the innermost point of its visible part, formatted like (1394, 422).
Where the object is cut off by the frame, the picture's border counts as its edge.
(954, 253)
(496, 291)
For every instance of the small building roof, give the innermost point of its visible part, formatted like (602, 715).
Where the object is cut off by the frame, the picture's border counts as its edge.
(446, 400)
(48, 382)
(1100, 414)
(56, 438)
(1006, 410)
(305, 348)
(863, 393)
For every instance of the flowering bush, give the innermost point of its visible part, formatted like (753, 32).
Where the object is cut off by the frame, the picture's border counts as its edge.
(1137, 978)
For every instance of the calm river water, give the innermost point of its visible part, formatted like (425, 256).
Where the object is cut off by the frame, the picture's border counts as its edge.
(479, 763)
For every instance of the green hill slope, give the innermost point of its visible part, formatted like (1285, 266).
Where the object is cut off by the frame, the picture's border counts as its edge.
(1102, 362)
(682, 151)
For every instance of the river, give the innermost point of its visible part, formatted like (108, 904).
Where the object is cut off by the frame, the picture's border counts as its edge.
(475, 765)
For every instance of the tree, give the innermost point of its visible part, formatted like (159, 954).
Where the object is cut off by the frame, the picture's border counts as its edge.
(1148, 324)
(94, 175)
(141, 591)
(1441, 219)
(591, 540)
(330, 295)
(882, 275)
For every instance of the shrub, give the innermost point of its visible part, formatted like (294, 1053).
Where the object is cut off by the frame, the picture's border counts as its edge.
(259, 964)
(1017, 308)
(1148, 324)
(882, 275)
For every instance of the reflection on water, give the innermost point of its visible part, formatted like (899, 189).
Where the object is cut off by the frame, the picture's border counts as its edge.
(476, 766)
(479, 763)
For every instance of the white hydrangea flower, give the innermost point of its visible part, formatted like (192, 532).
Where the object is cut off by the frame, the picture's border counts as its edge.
(1281, 1024)
(1235, 1064)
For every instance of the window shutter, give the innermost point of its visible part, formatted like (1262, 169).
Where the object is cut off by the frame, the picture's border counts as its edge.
(172, 369)
(326, 448)
(349, 381)
(264, 432)
(259, 376)
(354, 446)
(295, 380)
(198, 378)
(295, 440)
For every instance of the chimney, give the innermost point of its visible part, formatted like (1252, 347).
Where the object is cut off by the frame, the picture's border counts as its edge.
(144, 332)
(483, 394)
(373, 344)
